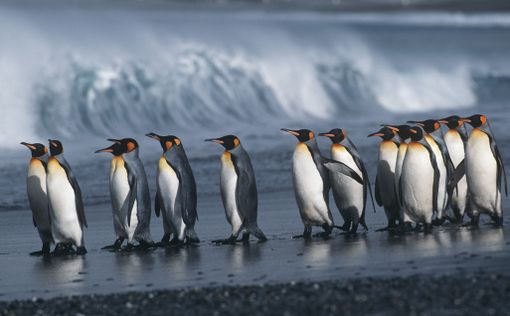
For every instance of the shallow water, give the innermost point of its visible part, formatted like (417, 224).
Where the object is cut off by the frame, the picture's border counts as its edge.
(281, 259)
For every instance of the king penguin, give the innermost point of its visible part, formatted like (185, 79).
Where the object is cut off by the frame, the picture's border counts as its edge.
(455, 139)
(350, 196)
(484, 170)
(385, 188)
(37, 195)
(138, 192)
(176, 195)
(67, 215)
(238, 190)
(433, 136)
(419, 181)
(123, 202)
(312, 184)
(403, 132)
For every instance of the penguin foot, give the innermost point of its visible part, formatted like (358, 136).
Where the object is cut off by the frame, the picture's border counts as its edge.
(229, 241)
(62, 250)
(307, 234)
(80, 251)
(438, 221)
(145, 245)
(37, 253)
(128, 248)
(116, 245)
(427, 228)
(497, 220)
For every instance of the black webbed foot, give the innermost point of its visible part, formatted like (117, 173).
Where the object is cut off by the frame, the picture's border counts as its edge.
(80, 251)
(116, 245)
(307, 234)
(229, 241)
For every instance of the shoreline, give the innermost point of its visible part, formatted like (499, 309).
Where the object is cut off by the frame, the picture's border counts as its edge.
(456, 294)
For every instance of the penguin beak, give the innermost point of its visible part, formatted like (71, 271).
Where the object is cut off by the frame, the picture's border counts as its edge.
(114, 140)
(327, 134)
(290, 131)
(105, 150)
(465, 120)
(30, 146)
(443, 121)
(393, 128)
(214, 140)
(154, 136)
(375, 134)
(52, 143)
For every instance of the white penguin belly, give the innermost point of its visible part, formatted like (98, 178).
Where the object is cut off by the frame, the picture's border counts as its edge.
(38, 198)
(456, 152)
(308, 187)
(417, 184)
(168, 184)
(64, 217)
(119, 188)
(481, 172)
(388, 152)
(402, 150)
(228, 183)
(347, 192)
(442, 197)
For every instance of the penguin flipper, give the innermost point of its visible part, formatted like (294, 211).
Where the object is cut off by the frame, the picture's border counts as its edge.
(366, 180)
(77, 192)
(499, 162)
(457, 174)
(157, 203)
(187, 190)
(132, 192)
(336, 166)
(435, 185)
(378, 198)
(246, 190)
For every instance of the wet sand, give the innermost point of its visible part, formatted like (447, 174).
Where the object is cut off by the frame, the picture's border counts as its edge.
(448, 250)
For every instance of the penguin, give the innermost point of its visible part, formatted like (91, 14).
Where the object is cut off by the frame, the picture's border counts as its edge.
(38, 196)
(403, 132)
(385, 187)
(67, 214)
(176, 195)
(138, 193)
(311, 182)
(123, 202)
(419, 181)
(455, 139)
(433, 136)
(349, 195)
(484, 170)
(238, 190)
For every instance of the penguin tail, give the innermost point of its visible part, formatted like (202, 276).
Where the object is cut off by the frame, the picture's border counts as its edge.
(192, 236)
(257, 232)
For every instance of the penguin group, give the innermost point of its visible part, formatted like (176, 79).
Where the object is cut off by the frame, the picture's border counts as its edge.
(425, 177)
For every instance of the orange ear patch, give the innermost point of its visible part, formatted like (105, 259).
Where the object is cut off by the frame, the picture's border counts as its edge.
(483, 118)
(131, 146)
(437, 125)
(168, 145)
(177, 141)
(45, 149)
(236, 142)
(310, 135)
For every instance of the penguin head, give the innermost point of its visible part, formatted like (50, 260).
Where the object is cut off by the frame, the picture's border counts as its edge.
(37, 149)
(115, 149)
(452, 122)
(303, 135)
(476, 120)
(429, 126)
(415, 133)
(127, 145)
(56, 147)
(385, 133)
(336, 135)
(166, 142)
(229, 141)
(403, 131)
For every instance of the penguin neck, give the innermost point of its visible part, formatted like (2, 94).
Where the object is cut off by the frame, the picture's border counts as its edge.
(132, 155)
(43, 158)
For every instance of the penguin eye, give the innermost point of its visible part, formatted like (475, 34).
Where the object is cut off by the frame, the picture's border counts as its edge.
(177, 141)
(130, 146)
(236, 142)
(310, 135)
(168, 145)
